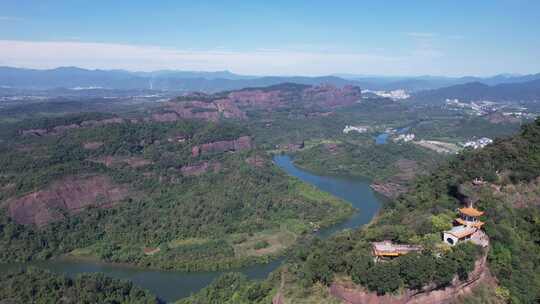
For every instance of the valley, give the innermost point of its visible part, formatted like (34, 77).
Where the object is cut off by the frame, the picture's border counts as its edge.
(257, 152)
(183, 191)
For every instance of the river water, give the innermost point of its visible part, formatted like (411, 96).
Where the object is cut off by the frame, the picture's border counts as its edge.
(174, 285)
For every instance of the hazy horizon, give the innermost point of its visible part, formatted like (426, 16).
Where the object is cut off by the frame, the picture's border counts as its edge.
(340, 75)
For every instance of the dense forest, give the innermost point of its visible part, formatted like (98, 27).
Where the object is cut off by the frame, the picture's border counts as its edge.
(176, 210)
(363, 158)
(32, 285)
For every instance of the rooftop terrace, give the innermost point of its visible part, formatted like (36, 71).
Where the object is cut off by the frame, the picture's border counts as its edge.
(387, 248)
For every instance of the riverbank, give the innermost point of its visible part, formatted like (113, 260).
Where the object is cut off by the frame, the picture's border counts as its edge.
(174, 285)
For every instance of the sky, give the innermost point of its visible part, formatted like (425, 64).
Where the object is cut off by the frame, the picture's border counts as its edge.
(379, 37)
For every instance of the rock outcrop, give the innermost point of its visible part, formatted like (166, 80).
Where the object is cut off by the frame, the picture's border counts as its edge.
(232, 105)
(389, 189)
(133, 161)
(68, 196)
(331, 96)
(257, 98)
(210, 111)
(165, 117)
(256, 161)
(198, 169)
(397, 184)
(56, 130)
(241, 144)
(92, 145)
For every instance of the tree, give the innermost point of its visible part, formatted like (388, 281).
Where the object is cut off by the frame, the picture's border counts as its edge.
(416, 269)
(384, 277)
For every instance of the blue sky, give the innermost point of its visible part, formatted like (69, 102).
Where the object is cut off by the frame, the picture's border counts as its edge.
(276, 37)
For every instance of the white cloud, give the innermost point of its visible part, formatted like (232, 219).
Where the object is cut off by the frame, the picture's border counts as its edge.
(49, 54)
(10, 18)
(422, 35)
(421, 58)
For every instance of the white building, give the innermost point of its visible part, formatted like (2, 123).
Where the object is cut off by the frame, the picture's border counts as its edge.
(468, 228)
(359, 129)
(478, 144)
(405, 137)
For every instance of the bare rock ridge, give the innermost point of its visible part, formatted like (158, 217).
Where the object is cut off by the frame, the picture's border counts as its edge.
(68, 196)
(241, 144)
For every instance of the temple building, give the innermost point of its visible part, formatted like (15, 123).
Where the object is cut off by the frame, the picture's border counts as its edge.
(467, 228)
(468, 216)
(387, 249)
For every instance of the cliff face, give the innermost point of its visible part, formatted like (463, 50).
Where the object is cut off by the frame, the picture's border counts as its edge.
(331, 96)
(134, 162)
(429, 295)
(232, 105)
(198, 169)
(258, 98)
(63, 128)
(240, 144)
(256, 161)
(65, 197)
(210, 111)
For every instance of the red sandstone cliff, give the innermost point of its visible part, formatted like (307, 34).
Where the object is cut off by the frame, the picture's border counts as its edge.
(240, 144)
(63, 128)
(331, 96)
(351, 294)
(68, 196)
(201, 168)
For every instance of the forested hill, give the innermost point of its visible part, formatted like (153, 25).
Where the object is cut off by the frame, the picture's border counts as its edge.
(522, 91)
(33, 285)
(190, 195)
(510, 196)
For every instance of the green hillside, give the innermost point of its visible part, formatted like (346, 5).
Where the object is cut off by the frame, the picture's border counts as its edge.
(509, 196)
(158, 205)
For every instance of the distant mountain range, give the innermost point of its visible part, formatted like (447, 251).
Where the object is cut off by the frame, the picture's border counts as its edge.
(512, 91)
(499, 87)
(72, 77)
(421, 83)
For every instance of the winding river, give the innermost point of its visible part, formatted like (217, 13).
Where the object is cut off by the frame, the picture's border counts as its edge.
(174, 285)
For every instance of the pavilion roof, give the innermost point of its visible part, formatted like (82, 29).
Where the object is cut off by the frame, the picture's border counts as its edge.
(461, 231)
(470, 211)
(476, 224)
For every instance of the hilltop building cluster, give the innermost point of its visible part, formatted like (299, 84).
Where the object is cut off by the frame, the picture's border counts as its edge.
(478, 108)
(479, 143)
(467, 227)
(395, 95)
